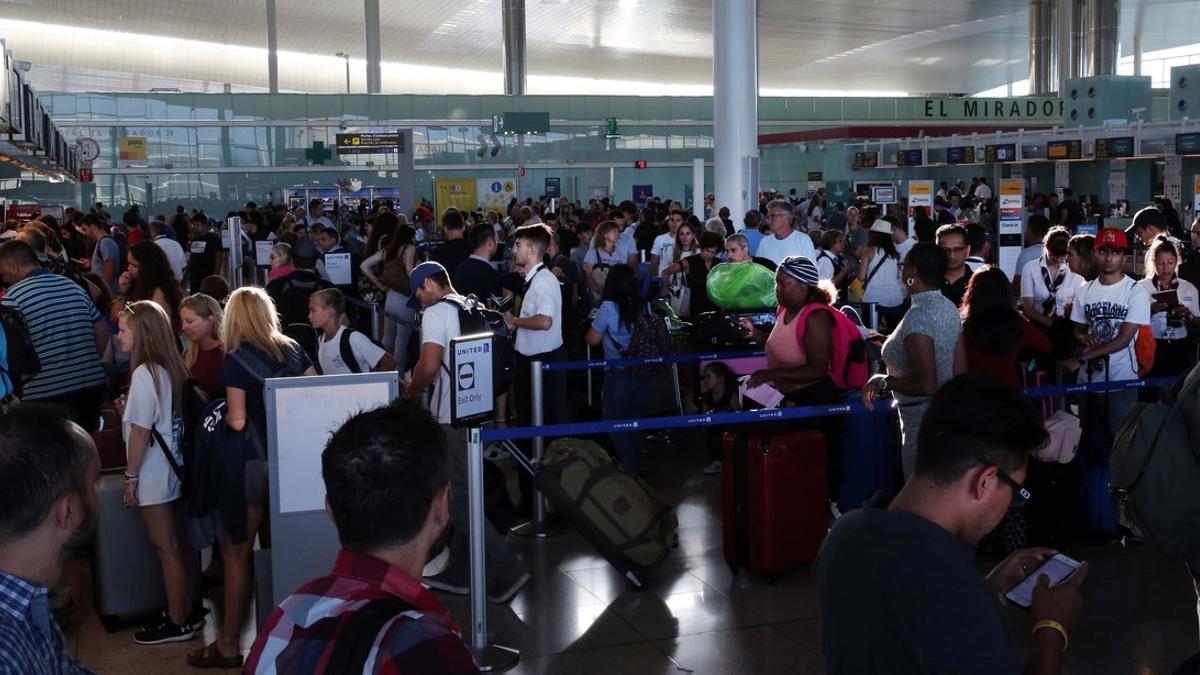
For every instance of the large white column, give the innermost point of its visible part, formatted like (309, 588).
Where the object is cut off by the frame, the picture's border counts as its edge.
(374, 53)
(512, 22)
(1102, 25)
(735, 105)
(1043, 44)
(272, 49)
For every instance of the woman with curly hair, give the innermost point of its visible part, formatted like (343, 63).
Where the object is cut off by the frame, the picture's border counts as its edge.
(150, 277)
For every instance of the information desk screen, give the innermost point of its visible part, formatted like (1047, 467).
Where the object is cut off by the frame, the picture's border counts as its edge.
(1064, 150)
(866, 160)
(1006, 152)
(910, 157)
(1114, 148)
(1187, 144)
(961, 155)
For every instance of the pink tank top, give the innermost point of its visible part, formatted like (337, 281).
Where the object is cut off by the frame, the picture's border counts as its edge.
(782, 347)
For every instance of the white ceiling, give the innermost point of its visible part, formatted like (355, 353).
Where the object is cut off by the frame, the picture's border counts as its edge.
(898, 45)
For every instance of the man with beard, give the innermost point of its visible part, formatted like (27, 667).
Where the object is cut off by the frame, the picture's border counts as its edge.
(49, 468)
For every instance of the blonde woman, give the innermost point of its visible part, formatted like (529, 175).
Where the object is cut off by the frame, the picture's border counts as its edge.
(151, 424)
(201, 316)
(255, 349)
(281, 262)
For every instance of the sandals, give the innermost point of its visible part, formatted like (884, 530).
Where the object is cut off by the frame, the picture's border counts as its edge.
(211, 657)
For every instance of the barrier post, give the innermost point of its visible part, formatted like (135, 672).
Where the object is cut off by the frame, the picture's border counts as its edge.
(375, 321)
(490, 657)
(540, 527)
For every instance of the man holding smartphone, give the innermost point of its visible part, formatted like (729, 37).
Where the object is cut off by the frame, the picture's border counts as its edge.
(896, 583)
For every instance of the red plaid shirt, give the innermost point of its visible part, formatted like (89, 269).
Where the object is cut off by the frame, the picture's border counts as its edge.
(300, 634)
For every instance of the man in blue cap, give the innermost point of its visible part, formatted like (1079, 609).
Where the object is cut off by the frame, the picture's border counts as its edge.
(440, 306)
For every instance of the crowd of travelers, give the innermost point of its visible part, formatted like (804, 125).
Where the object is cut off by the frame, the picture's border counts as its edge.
(138, 316)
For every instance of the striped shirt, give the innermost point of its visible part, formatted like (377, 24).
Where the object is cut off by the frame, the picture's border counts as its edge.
(31, 643)
(60, 316)
(300, 635)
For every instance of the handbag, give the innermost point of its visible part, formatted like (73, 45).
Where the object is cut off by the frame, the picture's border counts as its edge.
(1064, 433)
(395, 277)
(680, 296)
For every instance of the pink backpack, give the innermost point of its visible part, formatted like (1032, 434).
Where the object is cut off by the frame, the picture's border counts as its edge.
(848, 360)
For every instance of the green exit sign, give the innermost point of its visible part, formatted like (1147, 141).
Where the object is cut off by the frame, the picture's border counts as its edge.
(521, 123)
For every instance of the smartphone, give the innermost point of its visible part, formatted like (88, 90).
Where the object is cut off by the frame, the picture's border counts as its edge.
(1058, 567)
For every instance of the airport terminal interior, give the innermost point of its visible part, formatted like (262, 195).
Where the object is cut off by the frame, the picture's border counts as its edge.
(600, 336)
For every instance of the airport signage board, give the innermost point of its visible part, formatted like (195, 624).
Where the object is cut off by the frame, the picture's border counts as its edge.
(1064, 149)
(1030, 108)
(1012, 223)
(1005, 152)
(1114, 148)
(910, 157)
(1187, 144)
(920, 193)
(866, 160)
(369, 142)
(961, 155)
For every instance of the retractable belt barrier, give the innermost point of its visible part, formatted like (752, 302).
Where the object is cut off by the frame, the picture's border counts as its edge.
(770, 414)
(590, 364)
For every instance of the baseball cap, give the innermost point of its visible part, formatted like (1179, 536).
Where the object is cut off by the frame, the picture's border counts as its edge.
(304, 248)
(418, 276)
(1112, 238)
(1148, 216)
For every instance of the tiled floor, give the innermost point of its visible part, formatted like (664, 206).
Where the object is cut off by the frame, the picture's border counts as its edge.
(578, 617)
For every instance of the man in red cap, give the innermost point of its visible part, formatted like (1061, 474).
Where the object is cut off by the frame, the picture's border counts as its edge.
(1108, 312)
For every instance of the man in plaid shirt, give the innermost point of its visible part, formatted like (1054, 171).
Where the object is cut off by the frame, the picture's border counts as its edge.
(49, 468)
(388, 493)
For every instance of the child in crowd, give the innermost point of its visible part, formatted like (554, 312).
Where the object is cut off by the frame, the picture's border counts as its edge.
(719, 394)
(216, 287)
(342, 350)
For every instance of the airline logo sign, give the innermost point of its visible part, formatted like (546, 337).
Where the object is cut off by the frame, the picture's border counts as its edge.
(920, 188)
(1012, 187)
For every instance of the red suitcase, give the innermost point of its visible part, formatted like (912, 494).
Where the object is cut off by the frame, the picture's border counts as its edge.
(108, 439)
(774, 500)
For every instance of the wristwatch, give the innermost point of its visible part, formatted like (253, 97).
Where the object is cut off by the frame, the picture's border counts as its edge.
(884, 386)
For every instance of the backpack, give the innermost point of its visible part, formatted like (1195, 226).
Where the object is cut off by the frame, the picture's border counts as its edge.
(122, 248)
(849, 348)
(1143, 350)
(1155, 468)
(649, 340)
(474, 317)
(23, 362)
(346, 350)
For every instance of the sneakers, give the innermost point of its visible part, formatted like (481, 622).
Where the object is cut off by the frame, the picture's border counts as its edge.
(196, 619)
(506, 590)
(495, 452)
(164, 632)
(448, 583)
(713, 468)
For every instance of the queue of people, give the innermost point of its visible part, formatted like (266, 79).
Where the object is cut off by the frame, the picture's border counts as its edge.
(956, 339)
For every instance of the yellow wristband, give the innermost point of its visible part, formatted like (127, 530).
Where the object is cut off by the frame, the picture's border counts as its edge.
(1056, 626)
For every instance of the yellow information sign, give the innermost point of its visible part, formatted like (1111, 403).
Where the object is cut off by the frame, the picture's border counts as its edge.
(456, 192)
(132, 148)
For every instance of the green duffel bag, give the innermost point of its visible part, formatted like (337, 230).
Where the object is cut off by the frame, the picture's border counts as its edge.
(741, 286)
(616, 512)
(1156, 469)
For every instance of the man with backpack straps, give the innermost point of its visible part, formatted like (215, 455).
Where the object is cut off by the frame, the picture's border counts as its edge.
(342, 350)
(443, 316)
(109, 255)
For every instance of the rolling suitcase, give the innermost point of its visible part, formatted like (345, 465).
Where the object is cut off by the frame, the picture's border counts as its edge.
(774, 500)
(614, 511)
(127, 580)
(872, 457)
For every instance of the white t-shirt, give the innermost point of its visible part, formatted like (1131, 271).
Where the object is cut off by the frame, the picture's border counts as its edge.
(816, 221)
(1033, 285)
(329, 353)
(664, 248)
(885, 287)
(776, 250)
(174, 253)
(905, 246)
(542, 297)
(148, 407)
(825, 260)
(439, 324)
(982, 191)
(315, 223)
(1159, 323)
(1103, 309)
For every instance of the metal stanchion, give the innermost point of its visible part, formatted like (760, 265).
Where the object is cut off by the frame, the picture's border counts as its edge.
(540, 527)
(589, 376)
(375, 332)
(490, 657)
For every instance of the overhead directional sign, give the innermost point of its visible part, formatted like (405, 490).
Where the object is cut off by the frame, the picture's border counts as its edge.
(367, 142)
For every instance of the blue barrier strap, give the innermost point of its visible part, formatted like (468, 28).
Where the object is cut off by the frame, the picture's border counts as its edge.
(648, 360)
(772, 414)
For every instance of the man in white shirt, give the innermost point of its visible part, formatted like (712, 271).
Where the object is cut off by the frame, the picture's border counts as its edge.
(983, 191)
(433, 294)
(784, 241)
(342, 350)
(1048, 285)
(664, 244)
(1035, 232)
(1108, 313)
(171, 248)
(900, 238)
(539, 336)
(315, 219)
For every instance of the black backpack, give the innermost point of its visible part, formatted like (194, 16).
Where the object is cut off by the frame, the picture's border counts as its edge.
(122, 247)
(649, 339)
(473, 318)
(23, 362)
(347, 352)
